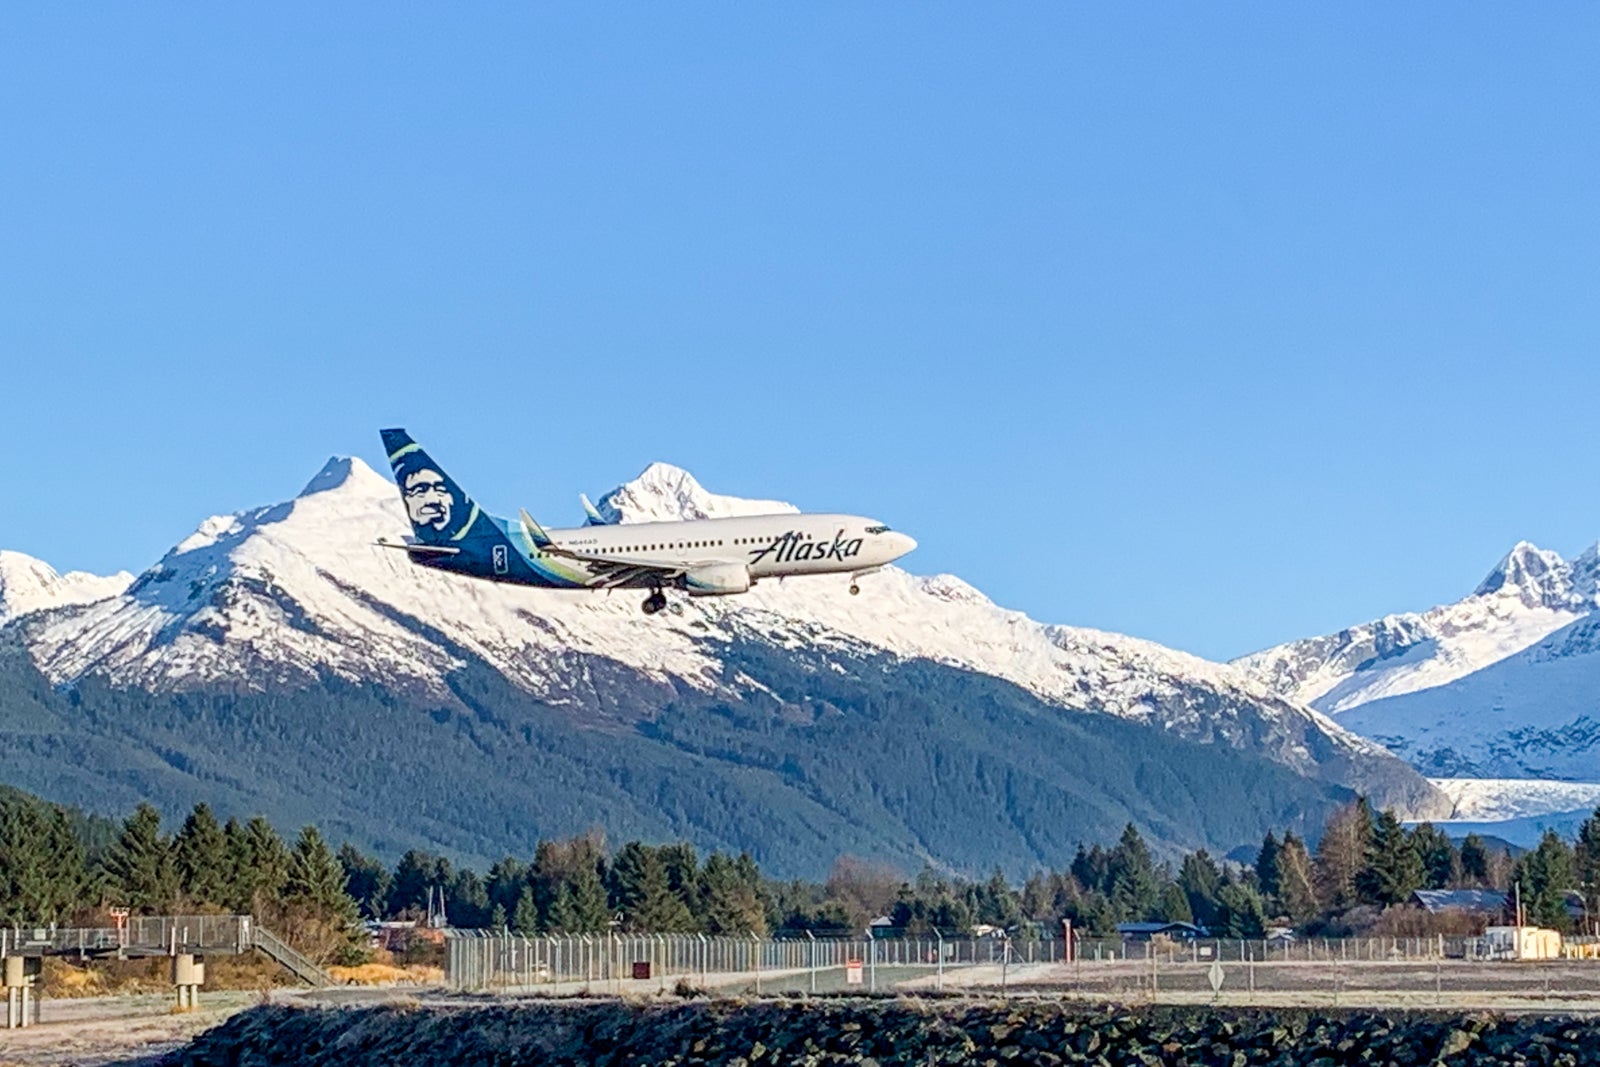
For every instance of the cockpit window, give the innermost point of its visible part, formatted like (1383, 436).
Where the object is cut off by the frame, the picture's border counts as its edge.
(877, 529)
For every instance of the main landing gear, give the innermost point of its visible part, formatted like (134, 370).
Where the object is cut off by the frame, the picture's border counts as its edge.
(655, 602)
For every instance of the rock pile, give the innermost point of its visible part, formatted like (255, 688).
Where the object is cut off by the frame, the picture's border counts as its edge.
(878, 1033)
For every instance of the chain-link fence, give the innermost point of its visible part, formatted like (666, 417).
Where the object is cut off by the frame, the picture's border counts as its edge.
(1375, 971)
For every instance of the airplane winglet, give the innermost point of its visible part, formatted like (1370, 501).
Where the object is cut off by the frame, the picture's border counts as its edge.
(534, 531)
(593, 516)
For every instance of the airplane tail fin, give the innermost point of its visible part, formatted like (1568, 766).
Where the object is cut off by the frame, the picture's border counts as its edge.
(440, 511)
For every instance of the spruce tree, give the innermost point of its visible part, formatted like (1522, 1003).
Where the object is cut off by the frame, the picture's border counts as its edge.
(1267, 867)
(1586, 866)
(365, 879)
(643, 893)
(1393, 870)
(466, 901)
(1441, 863)
(205, 872)
(320, 918)
(731, 905)
(138, 866)
(504, 884)
(1201, 883)
(1545, 877)
(1135, 889)
(262, 865)
(525, 918)
(42, 875)
(1175, 905)
(1475, 861)
(590, 908)
(1242, 912)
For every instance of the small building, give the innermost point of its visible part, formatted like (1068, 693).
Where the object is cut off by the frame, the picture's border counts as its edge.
(1522, 943)
(1487, 902)
(1171, 931)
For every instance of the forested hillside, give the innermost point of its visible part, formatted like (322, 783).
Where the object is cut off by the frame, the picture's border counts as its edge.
(927, 764)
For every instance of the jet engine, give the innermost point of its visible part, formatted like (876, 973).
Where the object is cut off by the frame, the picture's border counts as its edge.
(717, 579)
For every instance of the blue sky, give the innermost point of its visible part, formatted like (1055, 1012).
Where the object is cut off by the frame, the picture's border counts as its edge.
(1217, 328)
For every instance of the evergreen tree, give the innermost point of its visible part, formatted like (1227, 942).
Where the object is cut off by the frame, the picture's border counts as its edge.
(1475, 861)
(732, 906)
(1441, 863)
(365, 879)
(1393, 870)
(1201, 883)
(589, 907)
(1586, 866)
(260, 861)
(418, 878)
(1175, 904)
(1545, 877)
(565, 916)
(1267, 872)
(466, 900)
(42, 877)
(1135, 889)
(319, 917)
(138, 866)
(998, 904)
(525, 918)
(1092, 869)
(640, 888)
(205, 870)
(504, 884)
(683, 873)
(1038, 897)
(1243, 914)
(316, 877)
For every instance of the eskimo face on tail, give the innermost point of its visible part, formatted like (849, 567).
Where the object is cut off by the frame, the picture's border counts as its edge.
(429, 501)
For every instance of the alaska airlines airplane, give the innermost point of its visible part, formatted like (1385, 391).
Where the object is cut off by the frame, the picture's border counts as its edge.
(706, 557)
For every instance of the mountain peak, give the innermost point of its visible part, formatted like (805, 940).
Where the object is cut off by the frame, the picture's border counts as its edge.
(28, 584)
(666, 493)
(342, 471)
(1538, 577)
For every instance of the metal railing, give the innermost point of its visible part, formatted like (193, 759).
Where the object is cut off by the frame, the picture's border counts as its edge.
(485, 961)
(291, 960)
(143, 936)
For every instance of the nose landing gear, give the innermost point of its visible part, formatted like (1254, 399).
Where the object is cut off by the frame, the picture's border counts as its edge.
(855, 590)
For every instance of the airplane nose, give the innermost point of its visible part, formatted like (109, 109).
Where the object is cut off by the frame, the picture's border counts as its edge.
(903, 543)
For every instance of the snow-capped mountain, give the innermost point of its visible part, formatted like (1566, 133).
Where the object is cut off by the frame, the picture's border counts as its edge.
(29, 585)
(282, 595)
(1505, 682)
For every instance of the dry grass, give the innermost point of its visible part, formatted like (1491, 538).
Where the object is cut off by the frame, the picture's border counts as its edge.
(387, 974)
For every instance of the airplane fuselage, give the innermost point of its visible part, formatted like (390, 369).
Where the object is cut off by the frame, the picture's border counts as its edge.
(768, 546)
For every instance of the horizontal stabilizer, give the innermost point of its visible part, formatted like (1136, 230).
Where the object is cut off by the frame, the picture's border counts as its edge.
(421, 550)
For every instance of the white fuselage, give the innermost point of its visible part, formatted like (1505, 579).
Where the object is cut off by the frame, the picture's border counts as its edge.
(769, 545)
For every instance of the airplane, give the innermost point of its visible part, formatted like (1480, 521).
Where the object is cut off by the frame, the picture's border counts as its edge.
(704, 557)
